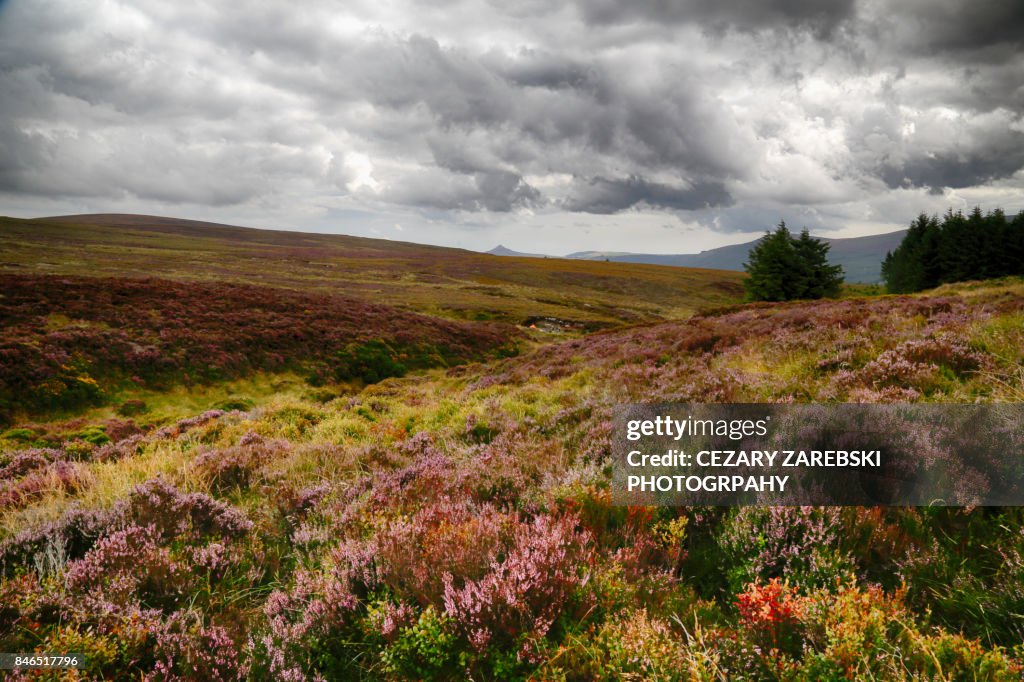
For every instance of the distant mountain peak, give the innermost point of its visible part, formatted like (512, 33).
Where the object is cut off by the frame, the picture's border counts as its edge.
(501, 250)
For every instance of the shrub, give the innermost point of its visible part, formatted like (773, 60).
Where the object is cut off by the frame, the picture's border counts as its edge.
(237, 467)
(187, 651)
(801, 545)
(631, 645)
(127, 568)
(171, 513)
(771, 612)
(447, 537)
(131, 408)
(523, 595)
(426, 649)
(159, 333)
(75, 532)
(370, 362)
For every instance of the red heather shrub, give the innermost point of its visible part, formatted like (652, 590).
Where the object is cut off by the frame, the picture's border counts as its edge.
(947, 350)
(127, 447)
(524, 594)
(888, 394)
(802, 545)
(430, 477)
(156, 504)
(317, 606)
(510, 465)
(892, 368)
(766, 606)
(120, 429)
(295, 505)
(915, 362)
(14, 592)
(391, 618)
(184, 425)
(77, 530)
(159, 332)
(213, 558)
(58, 475)
(321, 604)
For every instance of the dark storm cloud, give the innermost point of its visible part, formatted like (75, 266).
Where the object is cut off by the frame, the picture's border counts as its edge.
(942, 26)
(933, 151)
(602, 195)
(958, 169)
(533, 68)
(495, 190)
(537, 112)
(820, 16)
(712, 110)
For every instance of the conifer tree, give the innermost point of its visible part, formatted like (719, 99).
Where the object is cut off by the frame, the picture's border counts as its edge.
(782, 268)
(961, 247)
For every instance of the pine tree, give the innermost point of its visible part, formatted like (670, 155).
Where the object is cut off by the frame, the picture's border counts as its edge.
(821, 279)
(962, 247)
(783, 268)
(917, 261)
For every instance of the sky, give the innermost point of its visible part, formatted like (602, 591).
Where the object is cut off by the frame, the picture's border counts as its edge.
(549, 127)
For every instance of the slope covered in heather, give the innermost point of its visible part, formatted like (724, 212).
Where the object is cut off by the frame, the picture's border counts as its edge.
(445, 282)
(71, 342)
(459, 523)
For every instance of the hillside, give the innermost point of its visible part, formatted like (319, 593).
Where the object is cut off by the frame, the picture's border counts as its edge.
(459, 523)
(446, 282)
(69, 342)
(861, 257)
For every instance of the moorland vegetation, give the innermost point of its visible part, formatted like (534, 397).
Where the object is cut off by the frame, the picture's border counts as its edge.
(456, 522)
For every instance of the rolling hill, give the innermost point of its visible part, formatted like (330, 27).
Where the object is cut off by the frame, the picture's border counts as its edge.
(445, 282)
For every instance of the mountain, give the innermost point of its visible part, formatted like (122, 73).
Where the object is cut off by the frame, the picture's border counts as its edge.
(500, 250)
(861, 257)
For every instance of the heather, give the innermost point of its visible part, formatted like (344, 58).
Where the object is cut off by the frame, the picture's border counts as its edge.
(457, 522)
(71, 342)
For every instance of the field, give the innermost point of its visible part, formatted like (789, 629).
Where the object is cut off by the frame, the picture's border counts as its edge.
(456, 522)
(439, 281)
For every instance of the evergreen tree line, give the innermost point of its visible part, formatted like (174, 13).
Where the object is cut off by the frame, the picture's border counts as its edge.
(960, 247)
(782, 267)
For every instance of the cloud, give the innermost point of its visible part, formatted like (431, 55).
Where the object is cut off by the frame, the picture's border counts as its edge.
(933, 27)
(820, 16)
(719, 112)
(493, 190)
(603, 195)
(939, 147)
